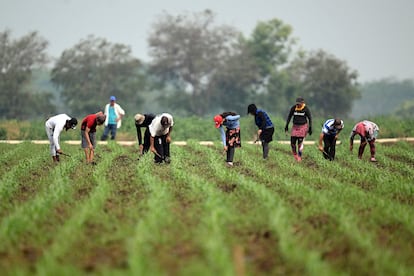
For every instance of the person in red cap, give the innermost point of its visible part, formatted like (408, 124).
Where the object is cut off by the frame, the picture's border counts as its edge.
(231, 137)
(302, 124)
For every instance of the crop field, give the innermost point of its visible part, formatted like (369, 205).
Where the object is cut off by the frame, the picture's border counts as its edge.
(195, 216)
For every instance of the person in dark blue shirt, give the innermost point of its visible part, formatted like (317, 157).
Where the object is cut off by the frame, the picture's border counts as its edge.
(265, 125)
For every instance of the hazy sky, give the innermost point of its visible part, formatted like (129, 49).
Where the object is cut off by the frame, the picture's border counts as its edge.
(374, 37)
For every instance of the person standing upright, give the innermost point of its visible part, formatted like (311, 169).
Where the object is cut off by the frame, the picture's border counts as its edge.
(368, 131)
(160, 130)
(330, 131)
(143, 120)
(265, 125)
(302, 125)
(54, 126)
(230, 138)
(114, 114)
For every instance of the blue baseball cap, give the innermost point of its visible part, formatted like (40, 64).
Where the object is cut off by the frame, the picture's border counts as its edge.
(112, 98)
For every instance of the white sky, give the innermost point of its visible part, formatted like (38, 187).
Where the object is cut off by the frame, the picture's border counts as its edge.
(374, 37)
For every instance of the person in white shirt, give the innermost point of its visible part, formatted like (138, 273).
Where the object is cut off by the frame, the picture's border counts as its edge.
(113, 121)
(54, 126)
(160, 140)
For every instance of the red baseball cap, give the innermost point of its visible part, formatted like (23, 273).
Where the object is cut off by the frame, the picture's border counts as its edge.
(218, 120)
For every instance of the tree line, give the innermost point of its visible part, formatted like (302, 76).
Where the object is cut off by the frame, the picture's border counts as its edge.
(197, 68)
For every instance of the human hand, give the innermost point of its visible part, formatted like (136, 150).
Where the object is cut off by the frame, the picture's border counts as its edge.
(168, 139)
(59, 151)
(351, 147)
(310, 131)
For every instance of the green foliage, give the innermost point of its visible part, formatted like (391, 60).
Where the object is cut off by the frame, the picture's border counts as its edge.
(3, 133)
(326, 82)
(94, 69)
(201, 59)
(18, 58)
(270, 45)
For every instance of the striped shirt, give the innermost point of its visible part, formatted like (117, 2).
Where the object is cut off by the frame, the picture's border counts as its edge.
(328, 127)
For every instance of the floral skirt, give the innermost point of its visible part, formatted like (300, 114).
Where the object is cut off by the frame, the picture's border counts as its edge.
(233, 137)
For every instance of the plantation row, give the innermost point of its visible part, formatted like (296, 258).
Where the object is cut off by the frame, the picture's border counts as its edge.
(197, 217)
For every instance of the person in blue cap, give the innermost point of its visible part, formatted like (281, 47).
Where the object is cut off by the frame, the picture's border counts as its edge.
(114, 114)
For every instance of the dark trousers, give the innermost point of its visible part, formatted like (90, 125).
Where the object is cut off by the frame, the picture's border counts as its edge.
(266, 137)
(146, 143)
(162, 147)
(329, 142)
(230, 153)
(364, 144)
(293, 141)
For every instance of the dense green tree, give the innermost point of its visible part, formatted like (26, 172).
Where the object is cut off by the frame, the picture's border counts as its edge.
(271, 46)
(189, 51)
(326, 83)
(92, 70)
(18, 58)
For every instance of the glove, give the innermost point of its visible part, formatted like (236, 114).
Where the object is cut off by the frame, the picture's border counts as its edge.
(310, 131)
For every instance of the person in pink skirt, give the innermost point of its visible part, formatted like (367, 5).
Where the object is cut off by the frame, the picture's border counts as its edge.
(302, 125)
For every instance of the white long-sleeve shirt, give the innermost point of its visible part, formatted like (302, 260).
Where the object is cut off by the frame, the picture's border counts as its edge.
(57, 124)
(118, 111)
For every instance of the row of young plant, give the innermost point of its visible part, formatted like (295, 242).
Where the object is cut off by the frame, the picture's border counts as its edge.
(195, 216)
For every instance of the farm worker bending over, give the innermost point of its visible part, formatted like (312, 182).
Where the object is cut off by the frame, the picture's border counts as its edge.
(302, 124)
(330, 131)
(88, 133)
(54, 126)
(265, 125)
(114, 114)
(230, 138)
(368, 131)
(160, 130)
(143, 120)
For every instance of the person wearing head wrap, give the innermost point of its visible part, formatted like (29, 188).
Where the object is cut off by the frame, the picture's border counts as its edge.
(329, 134)
(368, 131)
(143, 121)
(230, 138)
(88, 134)
(54, 126)
(302, 125)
